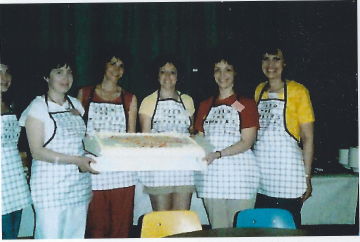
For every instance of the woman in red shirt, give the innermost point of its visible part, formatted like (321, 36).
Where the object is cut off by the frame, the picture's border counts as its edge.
(229, 122)
(110, 108)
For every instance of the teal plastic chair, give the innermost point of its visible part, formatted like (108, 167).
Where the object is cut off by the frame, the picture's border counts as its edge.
(264, 218)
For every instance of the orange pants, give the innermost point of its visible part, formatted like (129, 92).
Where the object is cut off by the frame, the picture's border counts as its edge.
(110, 213)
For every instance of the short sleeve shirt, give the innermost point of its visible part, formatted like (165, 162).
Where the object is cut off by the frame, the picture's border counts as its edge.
(299, 109)
(249, 115)
(147, 106)
(39, 110)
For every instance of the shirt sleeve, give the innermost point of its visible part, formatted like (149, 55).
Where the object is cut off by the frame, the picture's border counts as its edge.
(77, 104)
(147, 106)
(250, 115)
(37, 109)
(189, 103)
(258, 90)
(305, 109)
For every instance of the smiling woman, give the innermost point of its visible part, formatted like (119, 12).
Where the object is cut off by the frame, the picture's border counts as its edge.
(285, 116)
(111, 210)
(15, 194)
(167, 110)
(229, 122)
(60, 175)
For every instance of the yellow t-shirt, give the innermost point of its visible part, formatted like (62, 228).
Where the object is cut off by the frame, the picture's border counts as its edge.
(298, 106)
(147, 106)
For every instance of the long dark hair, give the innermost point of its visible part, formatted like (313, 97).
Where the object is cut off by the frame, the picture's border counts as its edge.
(272, 48)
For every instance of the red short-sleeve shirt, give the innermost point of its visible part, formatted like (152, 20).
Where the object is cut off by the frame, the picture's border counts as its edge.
(249, 115)
(125, 98)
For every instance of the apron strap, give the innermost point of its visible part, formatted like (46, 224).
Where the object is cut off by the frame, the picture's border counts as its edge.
(266, 86)
(55, 126)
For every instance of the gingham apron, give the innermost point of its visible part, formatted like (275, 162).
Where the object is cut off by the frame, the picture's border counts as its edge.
(108, 117)
(55, 185)
(15, 194)
(230, 177)
(279, 157)
(169, 116)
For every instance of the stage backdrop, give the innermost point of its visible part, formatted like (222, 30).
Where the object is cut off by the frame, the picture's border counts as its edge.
(322, 37)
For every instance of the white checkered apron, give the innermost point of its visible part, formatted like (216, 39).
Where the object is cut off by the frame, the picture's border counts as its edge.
(55, 185)
(279, 157)
(169, 116)
(109, 117)
(15, 194)
(230, 177)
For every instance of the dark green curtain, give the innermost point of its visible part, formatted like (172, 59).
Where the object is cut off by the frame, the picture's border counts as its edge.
(323, 48)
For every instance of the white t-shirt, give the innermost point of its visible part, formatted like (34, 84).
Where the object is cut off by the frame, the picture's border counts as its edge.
(39, 110)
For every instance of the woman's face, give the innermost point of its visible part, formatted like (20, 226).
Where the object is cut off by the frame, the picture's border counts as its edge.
(168, 76)
(5, 77)
(60, 80)
(272, 65)
(224, 74)
(114, 69)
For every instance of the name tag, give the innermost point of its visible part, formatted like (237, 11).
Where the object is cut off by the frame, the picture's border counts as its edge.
(238, 106)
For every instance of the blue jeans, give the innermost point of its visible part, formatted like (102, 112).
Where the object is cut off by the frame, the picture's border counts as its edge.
(293, 205)
(11, 225)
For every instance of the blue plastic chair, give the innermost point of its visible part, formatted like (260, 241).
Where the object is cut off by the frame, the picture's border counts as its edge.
(264, 218)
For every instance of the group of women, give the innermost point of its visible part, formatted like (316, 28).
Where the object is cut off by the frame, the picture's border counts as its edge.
(71, 200)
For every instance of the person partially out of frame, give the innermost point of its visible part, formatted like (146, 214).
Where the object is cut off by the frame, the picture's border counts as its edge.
(15, 194)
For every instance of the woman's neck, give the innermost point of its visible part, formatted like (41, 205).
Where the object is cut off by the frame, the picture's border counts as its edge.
(275, 85)
(225, 92)
(56, 97)
(168, 93)
(108, 85)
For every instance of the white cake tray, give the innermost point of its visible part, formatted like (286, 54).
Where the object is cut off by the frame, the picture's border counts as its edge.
(141, 159)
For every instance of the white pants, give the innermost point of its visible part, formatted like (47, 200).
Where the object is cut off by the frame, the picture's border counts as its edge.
(56, 223)
(221, 212)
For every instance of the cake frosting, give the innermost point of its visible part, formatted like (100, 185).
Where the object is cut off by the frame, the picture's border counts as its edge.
(140, 151)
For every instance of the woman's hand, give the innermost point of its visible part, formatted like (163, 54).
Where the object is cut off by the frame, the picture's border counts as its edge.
(308, 191)
(83, 162)
(211, 157)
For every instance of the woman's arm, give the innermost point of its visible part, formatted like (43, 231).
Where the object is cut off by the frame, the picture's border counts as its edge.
(248, 137)
(307, 137)
(35, 134)
(192, 129)
(132, 116)
(145, 123)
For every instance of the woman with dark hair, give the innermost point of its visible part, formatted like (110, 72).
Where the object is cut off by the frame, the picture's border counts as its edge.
(286, 117)
(110, 108)
(15, 194)
(60, 174)
(167, 110)
(229, 122)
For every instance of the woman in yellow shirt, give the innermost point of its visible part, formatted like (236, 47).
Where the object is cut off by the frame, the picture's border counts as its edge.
(167, 110)
(286, 117)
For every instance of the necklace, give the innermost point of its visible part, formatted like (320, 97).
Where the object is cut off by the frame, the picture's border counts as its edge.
(51, 99)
